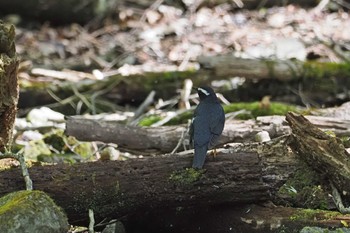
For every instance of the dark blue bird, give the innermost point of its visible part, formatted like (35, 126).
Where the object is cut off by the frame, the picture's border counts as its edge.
(207, 124)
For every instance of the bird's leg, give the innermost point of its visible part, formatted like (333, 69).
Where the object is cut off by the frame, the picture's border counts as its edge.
(213, 153)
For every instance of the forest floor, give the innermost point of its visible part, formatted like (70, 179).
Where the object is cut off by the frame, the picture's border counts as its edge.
(168, 38)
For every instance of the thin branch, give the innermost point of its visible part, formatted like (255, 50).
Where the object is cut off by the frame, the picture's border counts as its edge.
(338, 201)
(185, 94)
(92, 221)
(19, 156)
(146, 103)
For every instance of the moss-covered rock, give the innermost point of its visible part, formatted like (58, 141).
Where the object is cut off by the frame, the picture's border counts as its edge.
(31, 211)
(55, 146)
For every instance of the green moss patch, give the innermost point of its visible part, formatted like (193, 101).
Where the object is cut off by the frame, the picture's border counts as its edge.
(31, 211)
(254, 109)
(303, 190)
(58, 147)
(187, 176)
(312, 214)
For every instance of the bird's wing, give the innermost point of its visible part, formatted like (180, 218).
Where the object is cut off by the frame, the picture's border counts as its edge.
(217, 121)
(216, 125)
(201, 126)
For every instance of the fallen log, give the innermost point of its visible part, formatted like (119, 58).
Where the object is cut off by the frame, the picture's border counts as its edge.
(229, 65)
(164, 139)
(273, 75)
(242, 174)
(255, 74)
(245, 173)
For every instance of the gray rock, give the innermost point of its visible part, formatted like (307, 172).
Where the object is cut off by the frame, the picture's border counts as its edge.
(31, 211)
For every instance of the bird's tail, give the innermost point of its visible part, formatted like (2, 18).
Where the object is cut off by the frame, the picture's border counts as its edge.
(199, 156)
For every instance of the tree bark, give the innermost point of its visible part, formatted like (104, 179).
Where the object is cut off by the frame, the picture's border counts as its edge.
(164, 139)
(8, 83)
(324, 153)
(245, 173)
(115, 188)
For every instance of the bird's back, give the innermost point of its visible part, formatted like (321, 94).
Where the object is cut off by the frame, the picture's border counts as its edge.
(208, 123)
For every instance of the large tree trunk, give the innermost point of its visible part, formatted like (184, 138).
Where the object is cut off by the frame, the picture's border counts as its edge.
(8, 83)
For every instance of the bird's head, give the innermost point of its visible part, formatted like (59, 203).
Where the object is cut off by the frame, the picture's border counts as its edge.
(205, 92)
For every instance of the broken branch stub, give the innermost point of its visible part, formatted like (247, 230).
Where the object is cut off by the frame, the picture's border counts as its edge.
(323, 152)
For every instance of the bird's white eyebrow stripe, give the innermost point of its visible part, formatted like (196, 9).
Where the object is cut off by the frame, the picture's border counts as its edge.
(205, 92)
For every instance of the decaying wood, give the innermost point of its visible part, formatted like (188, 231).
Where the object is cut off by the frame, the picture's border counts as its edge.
(323, 152)
(8, 83)
(164, 139)
(242, 174)
(245, 173)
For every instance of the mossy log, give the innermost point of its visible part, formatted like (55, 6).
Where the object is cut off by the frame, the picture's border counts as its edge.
(292, 79)
(31, 211)
(282, 78)
(116, 188)
(146, 140)
(245, 173)
(8, 83)
(228, 65)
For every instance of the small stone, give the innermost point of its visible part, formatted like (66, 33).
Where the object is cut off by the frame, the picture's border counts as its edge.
(262, 136)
